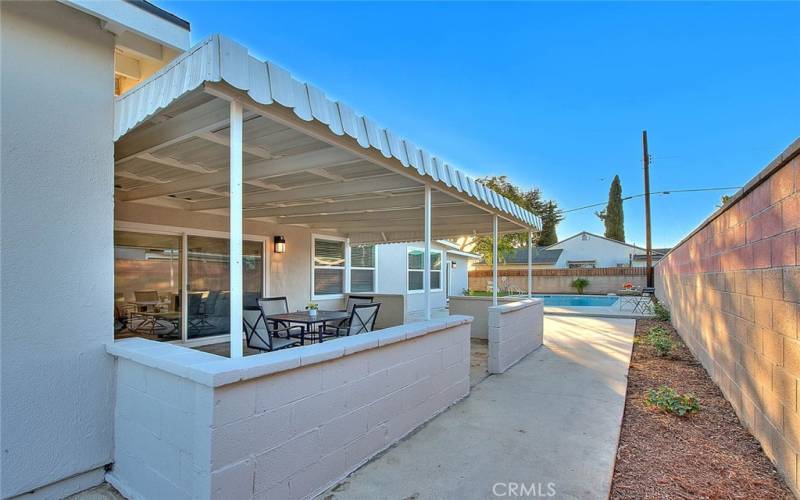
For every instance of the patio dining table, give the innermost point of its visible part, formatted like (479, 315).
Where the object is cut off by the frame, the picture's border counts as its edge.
(310, 321)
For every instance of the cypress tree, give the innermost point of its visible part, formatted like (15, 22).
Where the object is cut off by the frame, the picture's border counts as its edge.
(612, 215)
(550, 216)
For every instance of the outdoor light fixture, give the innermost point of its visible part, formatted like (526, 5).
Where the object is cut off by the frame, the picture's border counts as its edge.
(280, 244)
(453, 264)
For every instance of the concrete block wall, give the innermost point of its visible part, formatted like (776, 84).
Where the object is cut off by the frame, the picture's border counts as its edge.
(278, 425)
(515, 330)
(477, 308)
(733, 286)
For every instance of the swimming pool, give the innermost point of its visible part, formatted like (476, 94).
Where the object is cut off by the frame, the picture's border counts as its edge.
(577, 300)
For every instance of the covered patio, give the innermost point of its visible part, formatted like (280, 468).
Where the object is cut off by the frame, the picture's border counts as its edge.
(236, 183)
(241, 164)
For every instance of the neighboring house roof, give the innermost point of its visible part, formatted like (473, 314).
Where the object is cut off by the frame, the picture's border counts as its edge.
(456, 250)
(597, 236)
(541, 256)
(219, 59)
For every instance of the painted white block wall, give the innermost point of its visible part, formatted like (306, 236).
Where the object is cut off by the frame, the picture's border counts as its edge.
(515, 330)
(478, 309)
(56, 295)
(279, 425)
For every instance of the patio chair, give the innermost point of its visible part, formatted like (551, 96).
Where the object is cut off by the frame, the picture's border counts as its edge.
(362, 320)
(264, 337)
(274, 305)
(644, 303)
(352, 300)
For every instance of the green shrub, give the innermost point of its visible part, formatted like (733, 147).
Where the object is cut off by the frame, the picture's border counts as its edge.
(579, 284)
(661, 340)
(669, 400)
(661, 312)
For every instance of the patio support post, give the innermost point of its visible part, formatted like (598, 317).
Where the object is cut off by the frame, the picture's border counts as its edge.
(184, 299)
(530, 263)
(426, 280)
(347, 266)
(236, 293)
(494, 261)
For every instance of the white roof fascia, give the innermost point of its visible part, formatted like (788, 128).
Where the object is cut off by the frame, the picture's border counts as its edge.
(218, 59)
(130, 17)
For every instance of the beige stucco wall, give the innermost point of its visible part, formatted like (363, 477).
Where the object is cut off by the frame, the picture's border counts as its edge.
(56, 294)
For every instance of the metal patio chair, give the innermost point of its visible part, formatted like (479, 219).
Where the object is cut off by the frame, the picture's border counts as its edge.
(274, 305)
(264, 337)
(362, 320)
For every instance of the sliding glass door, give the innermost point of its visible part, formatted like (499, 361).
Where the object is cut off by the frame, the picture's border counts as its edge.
(147, 277)
(208, 283)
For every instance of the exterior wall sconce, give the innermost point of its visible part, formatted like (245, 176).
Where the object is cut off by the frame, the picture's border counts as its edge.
(453, 264)
(280, 244)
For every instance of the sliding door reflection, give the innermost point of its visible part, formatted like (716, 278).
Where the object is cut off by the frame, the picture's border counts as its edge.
(208, 304)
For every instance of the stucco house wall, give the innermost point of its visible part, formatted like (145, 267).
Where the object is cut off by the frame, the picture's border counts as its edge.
(56, 294)
(392, 268)
(605, 253)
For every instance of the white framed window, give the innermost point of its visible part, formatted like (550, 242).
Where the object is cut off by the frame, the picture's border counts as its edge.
(416, 270)
(327, 266)
(362, 268)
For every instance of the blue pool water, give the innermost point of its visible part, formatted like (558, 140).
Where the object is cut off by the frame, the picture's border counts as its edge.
(577, 300)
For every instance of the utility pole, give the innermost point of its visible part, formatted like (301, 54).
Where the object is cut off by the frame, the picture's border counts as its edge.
(649, 244)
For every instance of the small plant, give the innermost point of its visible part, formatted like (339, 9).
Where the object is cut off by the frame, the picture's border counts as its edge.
(466, 292)
(661, 312)
(312, 306)
(669, 400)
(579, 284)
(661, 340)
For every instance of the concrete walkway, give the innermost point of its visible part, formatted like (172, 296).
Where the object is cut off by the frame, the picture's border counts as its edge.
(550, 423)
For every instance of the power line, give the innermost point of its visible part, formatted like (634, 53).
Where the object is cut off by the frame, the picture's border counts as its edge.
(670, 191)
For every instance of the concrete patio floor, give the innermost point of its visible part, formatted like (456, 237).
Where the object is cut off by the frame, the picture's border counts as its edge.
(551, 422)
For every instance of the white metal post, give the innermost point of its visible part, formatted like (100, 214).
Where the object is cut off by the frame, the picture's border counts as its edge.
(236, 229)
(426, 280)
(184, 298)
(530, 263)
(494, 261)
(348, 265)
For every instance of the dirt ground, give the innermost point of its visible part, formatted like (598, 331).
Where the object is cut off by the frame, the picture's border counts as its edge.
(706, 455)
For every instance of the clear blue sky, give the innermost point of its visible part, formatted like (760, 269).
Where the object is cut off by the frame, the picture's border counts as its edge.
(554, 95)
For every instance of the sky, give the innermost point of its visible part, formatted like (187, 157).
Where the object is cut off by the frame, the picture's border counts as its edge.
(554, 95)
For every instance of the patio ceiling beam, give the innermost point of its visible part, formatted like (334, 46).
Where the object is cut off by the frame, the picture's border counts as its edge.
(363, 185)
(460, 228)
(206, 117)
(409, 214)
(392, 236)
(344, 205)
(252, 172)
(224, 140)
(172, 162)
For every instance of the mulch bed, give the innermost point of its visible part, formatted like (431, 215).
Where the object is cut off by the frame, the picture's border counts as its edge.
(705, 455)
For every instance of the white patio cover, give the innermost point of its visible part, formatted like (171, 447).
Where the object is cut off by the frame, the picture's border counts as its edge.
(219, 59)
